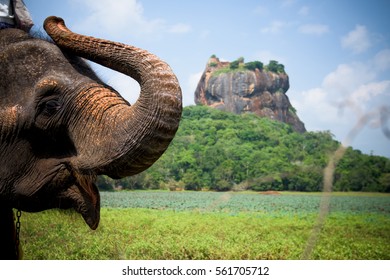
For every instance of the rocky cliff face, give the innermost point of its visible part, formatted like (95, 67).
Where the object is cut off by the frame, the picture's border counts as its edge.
(242, 90)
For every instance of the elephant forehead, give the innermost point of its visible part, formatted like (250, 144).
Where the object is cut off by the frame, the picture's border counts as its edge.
(47, 82)
(32, 58)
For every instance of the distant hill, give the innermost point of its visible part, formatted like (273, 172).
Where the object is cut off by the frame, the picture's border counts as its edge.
(240, 87)
(222, 151)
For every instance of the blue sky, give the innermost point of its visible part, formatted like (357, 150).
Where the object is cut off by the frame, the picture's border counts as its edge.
(336, 52)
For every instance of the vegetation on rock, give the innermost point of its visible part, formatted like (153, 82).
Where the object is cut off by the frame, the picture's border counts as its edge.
(239, 65)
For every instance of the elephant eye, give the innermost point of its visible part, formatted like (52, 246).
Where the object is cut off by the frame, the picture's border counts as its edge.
(51, 107)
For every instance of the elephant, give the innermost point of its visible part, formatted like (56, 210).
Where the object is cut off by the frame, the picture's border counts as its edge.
(61, 126)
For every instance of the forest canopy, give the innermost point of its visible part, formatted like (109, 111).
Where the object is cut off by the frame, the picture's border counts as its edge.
(220, 151)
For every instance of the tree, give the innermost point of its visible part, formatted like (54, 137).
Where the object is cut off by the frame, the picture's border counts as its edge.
(384, 182)
(105, 183)
(192, 180)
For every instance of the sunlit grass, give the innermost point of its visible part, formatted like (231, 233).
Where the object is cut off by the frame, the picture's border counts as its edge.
(165, 234)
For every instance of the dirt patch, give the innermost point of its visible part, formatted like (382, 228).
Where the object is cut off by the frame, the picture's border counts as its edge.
(270, 193)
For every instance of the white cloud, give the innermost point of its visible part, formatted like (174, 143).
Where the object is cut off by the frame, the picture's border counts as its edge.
(315, 110)
(347, 77)
(367, 92)
(314, 29)
(357, 40)
(348, 94)
(275, 27)
(356, 86)
(122, 17)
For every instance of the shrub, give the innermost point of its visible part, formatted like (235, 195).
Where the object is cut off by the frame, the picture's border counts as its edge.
(254, 65)
(234, 64)
(274, 66)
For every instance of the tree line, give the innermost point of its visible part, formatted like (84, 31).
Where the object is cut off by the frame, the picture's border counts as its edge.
(221, 151)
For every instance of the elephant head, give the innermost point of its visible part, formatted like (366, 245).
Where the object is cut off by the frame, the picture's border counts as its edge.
(61, 126)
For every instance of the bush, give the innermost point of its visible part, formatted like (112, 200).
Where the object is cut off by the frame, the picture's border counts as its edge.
(254, 65)
(274, 66)
(234, 64)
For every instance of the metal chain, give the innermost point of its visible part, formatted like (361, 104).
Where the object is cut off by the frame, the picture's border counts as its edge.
(17, 226)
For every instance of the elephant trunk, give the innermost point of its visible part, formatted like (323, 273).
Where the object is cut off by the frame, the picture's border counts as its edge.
(142, 132)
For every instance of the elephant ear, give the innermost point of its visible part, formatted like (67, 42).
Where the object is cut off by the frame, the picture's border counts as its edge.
(135, 136)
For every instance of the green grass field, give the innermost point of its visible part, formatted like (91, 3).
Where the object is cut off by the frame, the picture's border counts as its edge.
(207, 225)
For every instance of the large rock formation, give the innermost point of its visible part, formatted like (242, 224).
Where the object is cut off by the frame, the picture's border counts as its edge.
(247, 89)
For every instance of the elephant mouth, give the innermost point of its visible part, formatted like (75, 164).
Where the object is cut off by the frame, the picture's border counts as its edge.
(83, 196)
(61, 186)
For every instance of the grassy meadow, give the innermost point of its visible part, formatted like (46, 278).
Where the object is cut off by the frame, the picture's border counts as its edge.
(211, 225)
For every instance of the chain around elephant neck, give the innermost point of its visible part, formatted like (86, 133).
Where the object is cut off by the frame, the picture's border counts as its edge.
(17, 229)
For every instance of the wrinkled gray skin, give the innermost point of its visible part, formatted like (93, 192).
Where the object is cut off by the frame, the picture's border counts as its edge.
(61, 126)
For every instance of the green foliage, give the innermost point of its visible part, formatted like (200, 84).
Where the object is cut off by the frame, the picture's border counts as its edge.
(286, 203)
(254, 65)
(239, 65)
(228, 69)
(360, 172)
(292, 110)
(221, 151)
(234, 64)
(275, 67)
